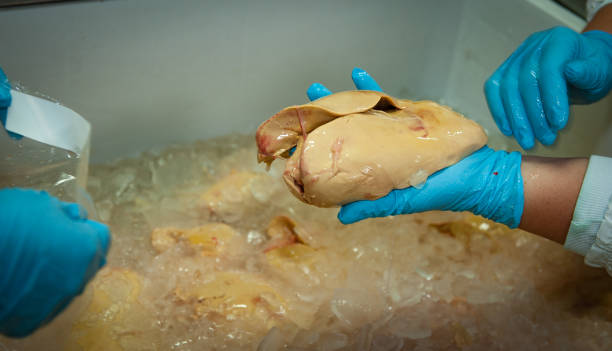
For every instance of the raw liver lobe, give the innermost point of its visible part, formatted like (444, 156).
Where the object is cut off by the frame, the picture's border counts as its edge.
(391, 145)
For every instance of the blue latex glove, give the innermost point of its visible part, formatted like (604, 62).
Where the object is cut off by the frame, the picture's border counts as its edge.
(487, 183)
(49, 250)
(5, 102)
(361, 79)
(530, 93)
(5, 96)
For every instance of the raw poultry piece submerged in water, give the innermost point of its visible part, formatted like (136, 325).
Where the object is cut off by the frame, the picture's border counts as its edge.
(359, 145)
(236, 194)
(234, 294)
(114, 315)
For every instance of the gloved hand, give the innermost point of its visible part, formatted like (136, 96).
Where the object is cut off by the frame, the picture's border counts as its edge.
(487, 183)
(49, 250)
(530, 93)
(361, 79)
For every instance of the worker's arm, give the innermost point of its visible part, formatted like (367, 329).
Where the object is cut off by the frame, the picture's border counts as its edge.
(529, 97)
(551, 187)
(590, 231)
(602, 20)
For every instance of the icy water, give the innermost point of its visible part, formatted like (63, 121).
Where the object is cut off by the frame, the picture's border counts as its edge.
(196, 265)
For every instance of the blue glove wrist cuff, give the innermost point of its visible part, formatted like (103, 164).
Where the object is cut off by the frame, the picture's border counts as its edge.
(501, 196)
(605, 37)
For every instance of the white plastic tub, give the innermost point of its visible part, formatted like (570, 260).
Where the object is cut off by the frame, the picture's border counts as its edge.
(149, 73)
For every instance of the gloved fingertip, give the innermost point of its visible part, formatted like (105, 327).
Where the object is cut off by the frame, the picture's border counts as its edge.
(560, 118)
(526, 143)
(575, 71)
(74, 211)
(357, 71)
(317, 91)
(358, 74)
(525, 137)
(501, 121)
(349, 216)
(363, 80)
(345, 216)
(548, 138)
(505, 130)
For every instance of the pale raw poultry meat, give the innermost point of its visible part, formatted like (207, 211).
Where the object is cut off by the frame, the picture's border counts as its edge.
(248, 296)
(211, 238)
(111, 319)
(359, 145)
(116, 304)
(236, 194)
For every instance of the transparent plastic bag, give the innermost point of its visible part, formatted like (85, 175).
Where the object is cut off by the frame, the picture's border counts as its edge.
(28, 163)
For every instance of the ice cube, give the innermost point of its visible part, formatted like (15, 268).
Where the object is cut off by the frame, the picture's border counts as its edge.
(273, 341)
(357, 307)
(418, 178)
(255, 238)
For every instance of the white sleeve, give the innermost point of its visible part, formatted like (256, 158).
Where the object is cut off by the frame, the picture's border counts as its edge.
(590, 232)
(592, 6)
(600, 254)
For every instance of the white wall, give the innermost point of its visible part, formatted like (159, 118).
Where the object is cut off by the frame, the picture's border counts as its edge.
(153, 72)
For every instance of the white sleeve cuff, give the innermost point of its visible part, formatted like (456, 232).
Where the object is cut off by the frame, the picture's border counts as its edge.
(593, 201)
(593, 6)
(600, 254)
